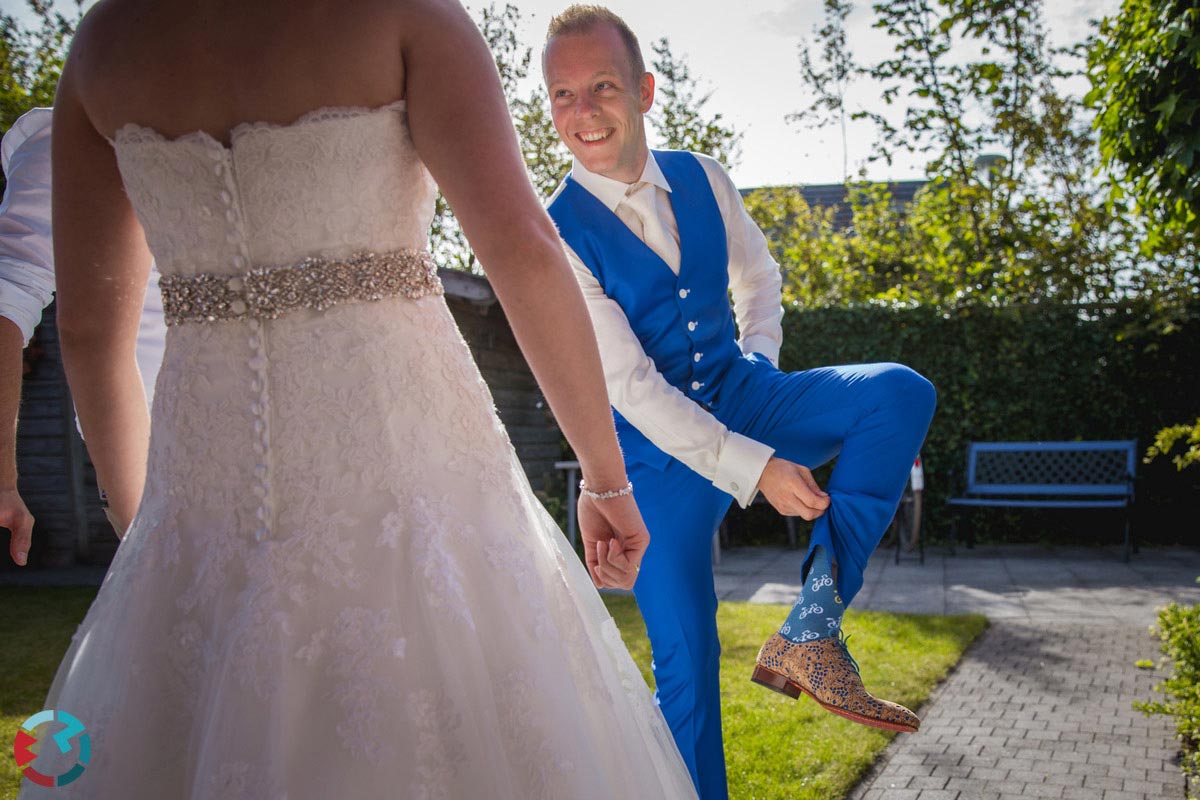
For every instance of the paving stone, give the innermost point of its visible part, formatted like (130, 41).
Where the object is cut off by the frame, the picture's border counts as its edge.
(1064, 779)
(1069, 757)
(928, 782)
(1127, 773)
(956, 771)
(978, 729)
(1021, 766)
(1090, 768)
(906, 758)
(912, 770)
(897, 782)
(989, 741)
(1031, 724)
(1103, 782)
(1057, 745)
(1030, 754)
(943, 759)
(1175, 789)
(1129, 750)
(975, 793)
(892, 794)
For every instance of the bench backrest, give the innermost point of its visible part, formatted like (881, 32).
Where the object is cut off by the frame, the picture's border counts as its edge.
(1086, 468)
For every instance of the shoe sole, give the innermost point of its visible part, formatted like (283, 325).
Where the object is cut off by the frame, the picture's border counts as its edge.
(778, 683)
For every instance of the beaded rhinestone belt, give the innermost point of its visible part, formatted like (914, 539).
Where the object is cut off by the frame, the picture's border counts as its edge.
(316, 283)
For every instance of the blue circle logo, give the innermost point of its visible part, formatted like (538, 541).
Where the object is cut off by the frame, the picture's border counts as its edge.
(73, 729)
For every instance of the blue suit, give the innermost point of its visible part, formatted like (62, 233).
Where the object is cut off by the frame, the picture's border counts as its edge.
(875, 416)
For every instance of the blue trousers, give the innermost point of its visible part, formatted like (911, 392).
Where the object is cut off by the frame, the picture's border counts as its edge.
(872, 417)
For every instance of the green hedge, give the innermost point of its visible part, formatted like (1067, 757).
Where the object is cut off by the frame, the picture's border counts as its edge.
(1041, 372)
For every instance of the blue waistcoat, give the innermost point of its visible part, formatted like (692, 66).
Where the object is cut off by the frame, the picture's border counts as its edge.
(684, 322)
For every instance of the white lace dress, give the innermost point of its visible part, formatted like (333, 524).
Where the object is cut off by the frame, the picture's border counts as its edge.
(339, 584)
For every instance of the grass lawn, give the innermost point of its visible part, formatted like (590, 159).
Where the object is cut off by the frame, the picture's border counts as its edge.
(35, 629)
(775, 747)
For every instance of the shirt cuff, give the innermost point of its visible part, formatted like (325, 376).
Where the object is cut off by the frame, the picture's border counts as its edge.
(740, 465)
(22, 318)
(762, 344)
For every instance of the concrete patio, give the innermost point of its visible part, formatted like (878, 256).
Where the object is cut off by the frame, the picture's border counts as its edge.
(1027, 583)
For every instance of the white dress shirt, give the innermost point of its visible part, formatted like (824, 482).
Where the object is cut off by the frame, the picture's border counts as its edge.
(26, 242)
(675, 423)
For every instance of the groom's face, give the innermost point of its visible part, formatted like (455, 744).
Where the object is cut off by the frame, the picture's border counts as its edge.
(597, 102)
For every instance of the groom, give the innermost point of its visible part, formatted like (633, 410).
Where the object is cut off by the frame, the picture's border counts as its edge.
(659, 240)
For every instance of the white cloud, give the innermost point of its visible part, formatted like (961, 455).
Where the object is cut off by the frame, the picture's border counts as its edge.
(795, 19)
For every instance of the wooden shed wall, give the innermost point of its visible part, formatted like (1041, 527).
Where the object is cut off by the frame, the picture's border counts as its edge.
(57, 481)
(519, 401)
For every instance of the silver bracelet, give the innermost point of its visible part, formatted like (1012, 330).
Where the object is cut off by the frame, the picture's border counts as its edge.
(606, 495)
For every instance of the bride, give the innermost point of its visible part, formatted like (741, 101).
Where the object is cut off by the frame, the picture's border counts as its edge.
(337, 582)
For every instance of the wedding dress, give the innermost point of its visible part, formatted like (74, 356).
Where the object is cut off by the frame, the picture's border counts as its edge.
(339, 583)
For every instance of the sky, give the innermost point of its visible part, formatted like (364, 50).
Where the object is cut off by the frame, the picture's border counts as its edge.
(745, 53)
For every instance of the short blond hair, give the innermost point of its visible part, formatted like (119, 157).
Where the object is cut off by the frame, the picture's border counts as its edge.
(581, 18)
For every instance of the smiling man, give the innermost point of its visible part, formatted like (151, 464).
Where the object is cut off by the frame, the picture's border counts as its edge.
(659, 240)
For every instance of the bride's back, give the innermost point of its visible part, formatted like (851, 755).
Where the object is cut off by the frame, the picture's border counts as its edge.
(212, 64)
(254, 136)
(218, 195)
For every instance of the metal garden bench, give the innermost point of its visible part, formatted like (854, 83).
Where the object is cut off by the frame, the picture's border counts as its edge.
(1049, 475)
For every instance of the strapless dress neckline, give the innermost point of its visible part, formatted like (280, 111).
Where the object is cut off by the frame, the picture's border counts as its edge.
(135, 132)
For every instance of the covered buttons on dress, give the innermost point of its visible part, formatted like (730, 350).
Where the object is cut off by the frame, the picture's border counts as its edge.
(258, 362)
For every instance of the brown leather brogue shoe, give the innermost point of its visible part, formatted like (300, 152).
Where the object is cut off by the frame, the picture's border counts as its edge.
(824, 670)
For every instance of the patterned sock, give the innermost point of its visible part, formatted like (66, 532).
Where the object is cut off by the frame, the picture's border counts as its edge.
(818, 609)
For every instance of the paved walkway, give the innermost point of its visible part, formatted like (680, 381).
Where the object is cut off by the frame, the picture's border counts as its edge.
(1041, 704)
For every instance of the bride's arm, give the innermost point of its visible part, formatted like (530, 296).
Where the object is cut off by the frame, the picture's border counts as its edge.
(101, 267)
(462, 129)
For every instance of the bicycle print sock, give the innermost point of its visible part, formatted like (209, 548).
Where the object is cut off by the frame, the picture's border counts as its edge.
(818, 609)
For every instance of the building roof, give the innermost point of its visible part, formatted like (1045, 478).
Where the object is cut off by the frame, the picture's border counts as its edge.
(824, 195)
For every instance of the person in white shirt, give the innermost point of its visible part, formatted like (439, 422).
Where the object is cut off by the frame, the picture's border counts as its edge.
(27, 287)
(659, 240)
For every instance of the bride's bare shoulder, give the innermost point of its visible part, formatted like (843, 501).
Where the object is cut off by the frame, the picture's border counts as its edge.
(98, 24)
(418, 15)
(101, 43)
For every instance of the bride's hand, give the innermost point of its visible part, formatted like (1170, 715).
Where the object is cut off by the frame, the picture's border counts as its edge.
(614, 540)
(16, 517)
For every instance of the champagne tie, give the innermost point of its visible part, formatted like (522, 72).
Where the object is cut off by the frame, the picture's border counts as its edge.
(639, 210)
